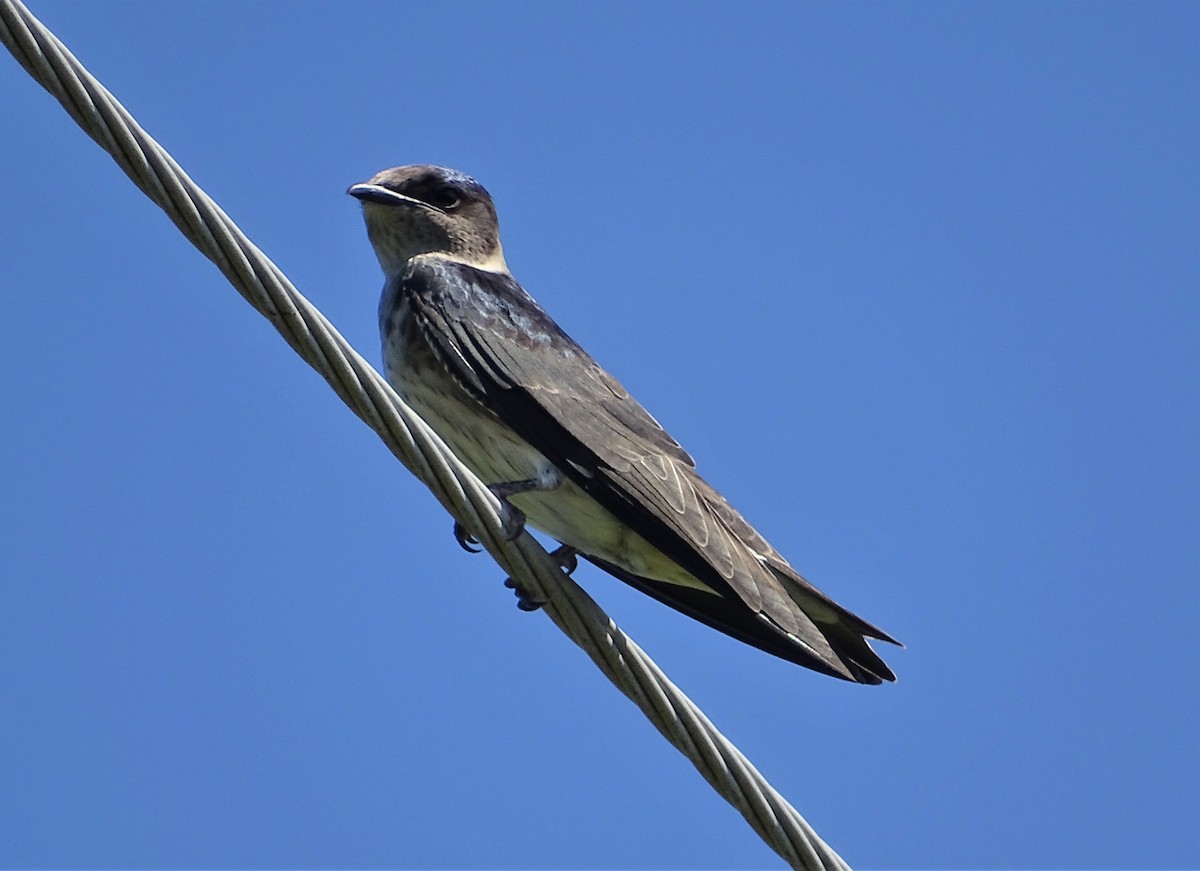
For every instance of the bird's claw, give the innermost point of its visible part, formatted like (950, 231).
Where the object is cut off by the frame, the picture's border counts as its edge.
(512, 518)
(465, 540)
(526, 601)
(567, 559)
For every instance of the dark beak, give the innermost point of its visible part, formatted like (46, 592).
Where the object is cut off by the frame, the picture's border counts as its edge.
(373, 193)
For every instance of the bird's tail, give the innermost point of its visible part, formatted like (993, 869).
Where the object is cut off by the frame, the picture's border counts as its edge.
(846, 632)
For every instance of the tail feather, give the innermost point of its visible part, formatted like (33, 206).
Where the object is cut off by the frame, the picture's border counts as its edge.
(852, 658)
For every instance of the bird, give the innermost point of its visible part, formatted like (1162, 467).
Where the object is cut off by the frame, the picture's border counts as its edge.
(562, 444)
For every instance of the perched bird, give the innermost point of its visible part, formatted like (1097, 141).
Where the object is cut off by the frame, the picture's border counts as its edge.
(553, 434)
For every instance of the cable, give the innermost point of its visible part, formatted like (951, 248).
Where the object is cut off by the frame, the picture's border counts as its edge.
(311, 336)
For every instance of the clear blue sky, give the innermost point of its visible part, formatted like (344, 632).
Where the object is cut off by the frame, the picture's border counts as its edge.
(917, 285)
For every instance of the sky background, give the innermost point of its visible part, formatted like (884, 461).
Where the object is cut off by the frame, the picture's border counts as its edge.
(917, 284)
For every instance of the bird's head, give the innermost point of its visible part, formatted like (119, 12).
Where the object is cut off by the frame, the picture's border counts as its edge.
(413, 210)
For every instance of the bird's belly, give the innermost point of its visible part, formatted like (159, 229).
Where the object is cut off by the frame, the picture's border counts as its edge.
(571, 516)
(496, 454)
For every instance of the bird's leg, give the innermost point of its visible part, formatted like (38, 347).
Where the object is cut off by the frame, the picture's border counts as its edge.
(565, 556)
(512, 518)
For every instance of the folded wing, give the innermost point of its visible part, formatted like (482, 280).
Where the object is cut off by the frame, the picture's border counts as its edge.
(501, 345)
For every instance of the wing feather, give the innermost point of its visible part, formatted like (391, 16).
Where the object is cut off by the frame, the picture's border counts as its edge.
(551, 392)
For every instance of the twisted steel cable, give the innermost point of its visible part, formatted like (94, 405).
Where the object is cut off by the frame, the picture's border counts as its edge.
(420, 449)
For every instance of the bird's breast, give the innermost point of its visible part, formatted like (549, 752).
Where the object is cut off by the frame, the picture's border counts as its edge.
(488, 447)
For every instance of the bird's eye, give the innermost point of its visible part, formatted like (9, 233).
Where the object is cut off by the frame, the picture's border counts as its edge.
(445, 198)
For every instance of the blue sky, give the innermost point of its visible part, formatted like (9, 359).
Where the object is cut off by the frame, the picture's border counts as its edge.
(916, 284)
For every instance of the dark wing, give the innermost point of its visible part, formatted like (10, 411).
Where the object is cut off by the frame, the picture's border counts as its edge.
(502, 345)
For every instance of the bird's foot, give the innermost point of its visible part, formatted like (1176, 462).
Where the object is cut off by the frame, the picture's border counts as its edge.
(512, 521)
(465, 540)
(565, 556)
(512, 518)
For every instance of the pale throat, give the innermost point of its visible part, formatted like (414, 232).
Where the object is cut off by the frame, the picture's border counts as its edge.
(395, 247)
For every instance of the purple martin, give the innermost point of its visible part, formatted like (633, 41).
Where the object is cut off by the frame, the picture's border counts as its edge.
(560, 440)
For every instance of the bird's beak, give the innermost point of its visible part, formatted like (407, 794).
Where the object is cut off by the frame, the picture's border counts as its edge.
(373, 193)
